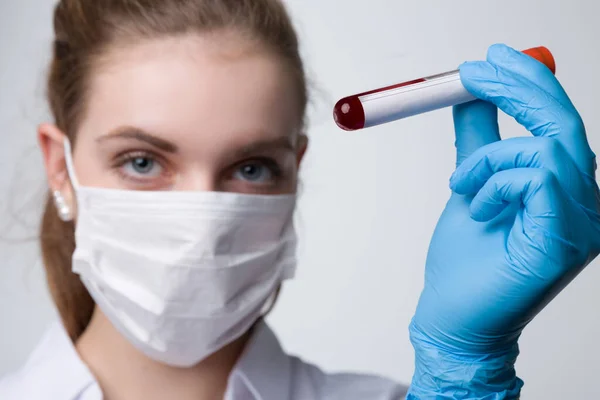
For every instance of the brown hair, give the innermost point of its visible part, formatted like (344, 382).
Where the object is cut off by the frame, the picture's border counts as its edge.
(84, 30)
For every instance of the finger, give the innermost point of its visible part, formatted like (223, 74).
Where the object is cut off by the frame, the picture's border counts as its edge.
(528, 68)
(537, 189)
(549, 225)
(522, 152)
(475, 125)
(534, 108)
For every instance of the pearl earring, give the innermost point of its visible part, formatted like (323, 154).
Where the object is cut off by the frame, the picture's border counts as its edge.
(64, 211)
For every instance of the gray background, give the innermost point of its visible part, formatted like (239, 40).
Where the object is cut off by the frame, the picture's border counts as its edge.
(370, 199)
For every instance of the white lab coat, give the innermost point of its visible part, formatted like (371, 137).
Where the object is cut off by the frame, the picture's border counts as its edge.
(264, 372)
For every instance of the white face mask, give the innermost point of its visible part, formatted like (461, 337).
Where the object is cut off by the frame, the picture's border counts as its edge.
(181, 274)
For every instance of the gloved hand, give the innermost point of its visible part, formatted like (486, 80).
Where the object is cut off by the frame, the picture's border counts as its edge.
(522, 222)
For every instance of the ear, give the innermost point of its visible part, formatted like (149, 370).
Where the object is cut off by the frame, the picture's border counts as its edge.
(302, 147)
(51, 142)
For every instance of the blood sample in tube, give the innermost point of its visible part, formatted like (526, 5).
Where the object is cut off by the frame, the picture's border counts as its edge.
(410, 98)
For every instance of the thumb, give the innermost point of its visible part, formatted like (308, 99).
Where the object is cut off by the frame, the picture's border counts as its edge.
(475, 125)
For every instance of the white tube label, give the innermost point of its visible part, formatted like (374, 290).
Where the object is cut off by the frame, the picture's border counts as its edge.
(436, 92)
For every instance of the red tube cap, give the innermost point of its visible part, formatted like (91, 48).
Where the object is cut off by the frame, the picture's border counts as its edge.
(544, 56)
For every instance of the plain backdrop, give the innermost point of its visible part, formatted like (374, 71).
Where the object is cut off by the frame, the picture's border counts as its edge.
(370, 199)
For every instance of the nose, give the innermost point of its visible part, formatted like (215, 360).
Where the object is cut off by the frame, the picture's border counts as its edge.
(197, 181)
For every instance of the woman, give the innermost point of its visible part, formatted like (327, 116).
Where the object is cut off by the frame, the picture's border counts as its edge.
(173, 165)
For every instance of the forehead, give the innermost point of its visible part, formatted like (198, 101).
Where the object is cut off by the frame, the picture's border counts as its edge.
(192, 89)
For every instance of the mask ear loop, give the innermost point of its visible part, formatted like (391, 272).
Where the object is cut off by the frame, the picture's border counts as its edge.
(69, 162)
(71, 169)
(270, 303)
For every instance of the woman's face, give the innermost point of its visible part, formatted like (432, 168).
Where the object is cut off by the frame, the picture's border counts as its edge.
(201, 113)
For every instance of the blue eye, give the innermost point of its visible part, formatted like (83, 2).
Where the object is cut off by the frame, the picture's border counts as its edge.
(254, 172)
(142, 166)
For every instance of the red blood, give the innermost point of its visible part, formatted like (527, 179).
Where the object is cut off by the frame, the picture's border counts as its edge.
(349, 114)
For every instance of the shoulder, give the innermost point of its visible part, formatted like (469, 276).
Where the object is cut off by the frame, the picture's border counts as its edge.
(267, 371)
(52, 372)
(311, 382)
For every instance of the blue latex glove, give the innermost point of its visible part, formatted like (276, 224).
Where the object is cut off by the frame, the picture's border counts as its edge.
(521, 223)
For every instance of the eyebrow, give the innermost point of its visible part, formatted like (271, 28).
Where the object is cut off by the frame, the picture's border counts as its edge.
(130, 132)
(280, 143)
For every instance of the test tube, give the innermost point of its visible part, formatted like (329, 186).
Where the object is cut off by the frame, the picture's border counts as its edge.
(410, 98)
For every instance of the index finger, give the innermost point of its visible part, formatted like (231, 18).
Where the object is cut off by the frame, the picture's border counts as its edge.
(529, 68)
(534, 108)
